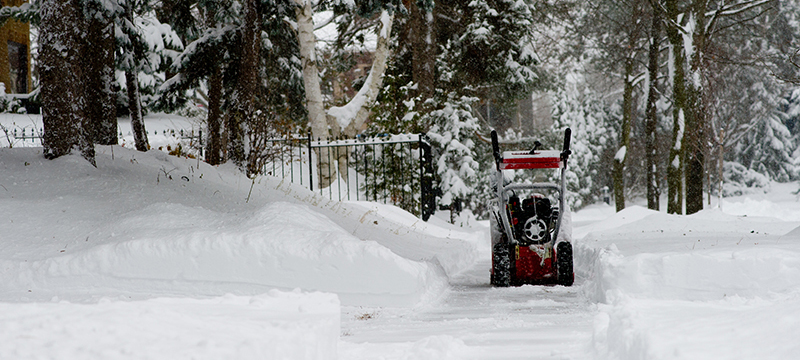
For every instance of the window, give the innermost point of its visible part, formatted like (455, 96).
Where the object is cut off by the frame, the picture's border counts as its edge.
(18, 67)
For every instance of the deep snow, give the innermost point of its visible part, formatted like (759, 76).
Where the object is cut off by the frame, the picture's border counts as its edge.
(153, 256)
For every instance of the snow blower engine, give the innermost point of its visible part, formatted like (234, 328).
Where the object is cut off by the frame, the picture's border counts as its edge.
(525, 224)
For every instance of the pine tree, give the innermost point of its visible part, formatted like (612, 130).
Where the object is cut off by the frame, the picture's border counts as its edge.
(578, 107)
(768, 146)
(493, 57)
(452, 133)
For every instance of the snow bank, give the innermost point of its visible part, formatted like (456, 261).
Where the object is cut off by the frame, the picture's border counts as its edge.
(282, 245)
(452, 248)
(156, 225)
(710, 285)
(276, 325)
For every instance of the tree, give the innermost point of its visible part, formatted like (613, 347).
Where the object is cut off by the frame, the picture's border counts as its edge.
(677, 79)
(691, 28)
(421, 35)
(252, 92)
(580, 108)
(651, 121)
(243, 108)
(98, 60)
(619, 30)
(203, 27)
(350, 118)
(133, 49)
(452, 132)
(66, 125)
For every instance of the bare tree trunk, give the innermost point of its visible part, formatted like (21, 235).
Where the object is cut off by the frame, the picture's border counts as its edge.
(651, 136)
(695, 124)
(98, 59)
(625, 135)
(244, 110)
(214, 119)
(675, 164)
(134, 102)
(341, 120)
(720, 163)
(135, 109)
(423, 50)
(213, 122)
(61, 79)
(317, 118)
(308, 41)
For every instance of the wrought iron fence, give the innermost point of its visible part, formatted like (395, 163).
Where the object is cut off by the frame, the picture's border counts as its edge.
(394, 169)
(385, 168)
(21, 136)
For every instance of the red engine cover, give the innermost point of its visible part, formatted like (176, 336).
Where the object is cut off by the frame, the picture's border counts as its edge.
(531, 268)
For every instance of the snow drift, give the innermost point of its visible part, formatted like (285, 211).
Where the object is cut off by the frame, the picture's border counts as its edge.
(727, 280)
(200, 261)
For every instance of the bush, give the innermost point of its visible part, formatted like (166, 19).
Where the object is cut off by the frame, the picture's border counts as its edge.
(739, 180)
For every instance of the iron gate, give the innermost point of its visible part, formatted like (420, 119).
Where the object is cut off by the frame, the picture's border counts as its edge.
(394, 169)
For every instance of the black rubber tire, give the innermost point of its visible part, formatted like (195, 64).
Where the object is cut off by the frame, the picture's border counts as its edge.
(501, 265)
(566, 274)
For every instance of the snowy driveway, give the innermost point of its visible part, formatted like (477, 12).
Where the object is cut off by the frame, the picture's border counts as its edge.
(475, 321)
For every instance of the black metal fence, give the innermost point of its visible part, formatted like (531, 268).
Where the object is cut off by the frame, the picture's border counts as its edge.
(394, 169)
(385, 168)
(21, 135)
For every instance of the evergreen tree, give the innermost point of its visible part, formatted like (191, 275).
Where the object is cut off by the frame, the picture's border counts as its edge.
(578, 107)
(768, 146)
(493, 57)
(452, 133)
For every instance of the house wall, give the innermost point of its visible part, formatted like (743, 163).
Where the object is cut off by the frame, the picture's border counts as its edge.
(17, 32)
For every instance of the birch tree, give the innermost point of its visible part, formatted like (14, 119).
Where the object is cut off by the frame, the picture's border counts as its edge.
(352, 117)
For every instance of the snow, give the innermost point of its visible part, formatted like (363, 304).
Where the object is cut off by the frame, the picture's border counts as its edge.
(159, 257)
(275, 325)
(620, 155)
(709, 285)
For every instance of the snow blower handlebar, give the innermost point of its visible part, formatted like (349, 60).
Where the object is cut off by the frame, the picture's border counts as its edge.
(566, 152)
(501, 192)
(496, 150)
(561, 199)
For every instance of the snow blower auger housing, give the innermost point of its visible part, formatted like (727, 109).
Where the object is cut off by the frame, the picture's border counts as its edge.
(525, 224)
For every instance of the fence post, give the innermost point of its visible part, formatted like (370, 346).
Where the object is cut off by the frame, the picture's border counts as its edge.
(310, 165)
(427, 198)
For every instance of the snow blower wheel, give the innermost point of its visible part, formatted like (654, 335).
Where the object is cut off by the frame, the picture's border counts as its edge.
(566, 276)
(501, 266)
(526, 223)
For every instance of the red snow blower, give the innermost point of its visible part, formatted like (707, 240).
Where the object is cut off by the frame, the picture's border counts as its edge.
(525, 224)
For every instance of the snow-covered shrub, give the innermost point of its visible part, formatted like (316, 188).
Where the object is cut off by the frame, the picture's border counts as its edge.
(9, 104)
(740, 180)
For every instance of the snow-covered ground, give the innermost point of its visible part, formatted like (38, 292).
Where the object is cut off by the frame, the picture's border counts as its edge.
(150, 256)
(714, 285)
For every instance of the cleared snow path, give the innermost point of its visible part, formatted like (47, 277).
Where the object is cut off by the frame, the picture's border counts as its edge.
(474, 320)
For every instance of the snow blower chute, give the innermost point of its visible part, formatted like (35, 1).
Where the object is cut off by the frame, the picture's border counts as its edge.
(525, 224)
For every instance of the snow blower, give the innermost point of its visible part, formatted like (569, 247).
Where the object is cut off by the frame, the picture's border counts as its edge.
(525, 224)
